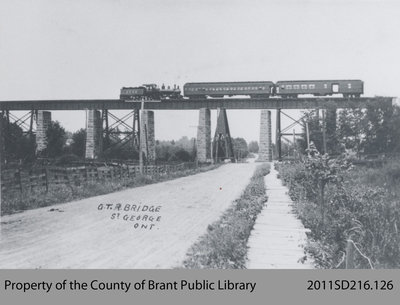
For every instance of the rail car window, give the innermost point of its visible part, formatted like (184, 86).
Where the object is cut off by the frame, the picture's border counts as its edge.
(325, 86)
(335, 88)
(303, 86)
(296, 86)
(288, 87)
(311, 86)
(349, 86)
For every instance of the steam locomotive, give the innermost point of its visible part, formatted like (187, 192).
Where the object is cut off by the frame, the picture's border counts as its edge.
(260, 89)
(149, 92)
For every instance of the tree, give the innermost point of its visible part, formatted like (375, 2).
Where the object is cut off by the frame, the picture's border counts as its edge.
(253, 147)
(394, 131)
(17, 146)
(323, 170)
(56, 136)
(180, 155)
(377, 130)
(183, 150)
(78, 145)
(315, 131)
(351, 126)
(332, 141)
(240, 148)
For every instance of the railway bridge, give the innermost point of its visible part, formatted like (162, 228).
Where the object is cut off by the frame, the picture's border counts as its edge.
(141, 118)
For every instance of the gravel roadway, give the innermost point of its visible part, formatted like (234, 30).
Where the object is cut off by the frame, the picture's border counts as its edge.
(80, 234)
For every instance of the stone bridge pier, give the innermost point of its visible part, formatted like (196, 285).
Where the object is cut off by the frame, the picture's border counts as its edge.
(204, 136)
(147, 136)
(94, 134)
(43, 121)
(265, 147)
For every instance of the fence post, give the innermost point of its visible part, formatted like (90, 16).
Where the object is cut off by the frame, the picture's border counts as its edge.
(349, 255)
(46, 177)
(86, 174)
(19, 179)
(30, 180)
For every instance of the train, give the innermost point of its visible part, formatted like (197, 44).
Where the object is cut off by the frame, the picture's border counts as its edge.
(350, 88)
(149, 92)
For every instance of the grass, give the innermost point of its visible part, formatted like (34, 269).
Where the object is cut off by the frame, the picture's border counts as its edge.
(19, 201)
(365, 208)
(224, 246)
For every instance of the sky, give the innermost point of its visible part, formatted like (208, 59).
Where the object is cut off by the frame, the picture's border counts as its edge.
(89, 49)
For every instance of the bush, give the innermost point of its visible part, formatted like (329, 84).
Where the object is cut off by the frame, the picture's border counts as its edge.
(358, 209)
(67, 159)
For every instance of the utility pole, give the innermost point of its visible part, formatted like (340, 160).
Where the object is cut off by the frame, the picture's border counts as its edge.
(278, 135)
(324, 131)
(294, 144)
(141, 143)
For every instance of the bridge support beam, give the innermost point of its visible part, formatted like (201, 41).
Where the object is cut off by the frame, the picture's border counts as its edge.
(2, 150)
(278, 138)
(147, 136)
(94, 134)
(204, 135)
(222, 142)
(43, 120)
(265, 148)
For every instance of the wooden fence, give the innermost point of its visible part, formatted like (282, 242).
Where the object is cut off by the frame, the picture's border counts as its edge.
(18, 180)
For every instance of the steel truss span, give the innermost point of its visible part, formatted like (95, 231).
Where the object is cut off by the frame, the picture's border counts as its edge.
(192, 104)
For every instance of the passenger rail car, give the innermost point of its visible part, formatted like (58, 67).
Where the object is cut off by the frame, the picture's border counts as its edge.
(221, 89)
(348, 88)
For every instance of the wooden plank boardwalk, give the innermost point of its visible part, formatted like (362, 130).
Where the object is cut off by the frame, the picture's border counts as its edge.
(278, 236)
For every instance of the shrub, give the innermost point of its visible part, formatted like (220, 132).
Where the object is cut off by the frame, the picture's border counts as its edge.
(359, 208)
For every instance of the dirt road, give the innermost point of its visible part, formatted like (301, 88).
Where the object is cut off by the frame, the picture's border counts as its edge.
(98, 233)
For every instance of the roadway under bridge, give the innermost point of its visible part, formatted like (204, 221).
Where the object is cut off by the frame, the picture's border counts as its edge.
(99, 128)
